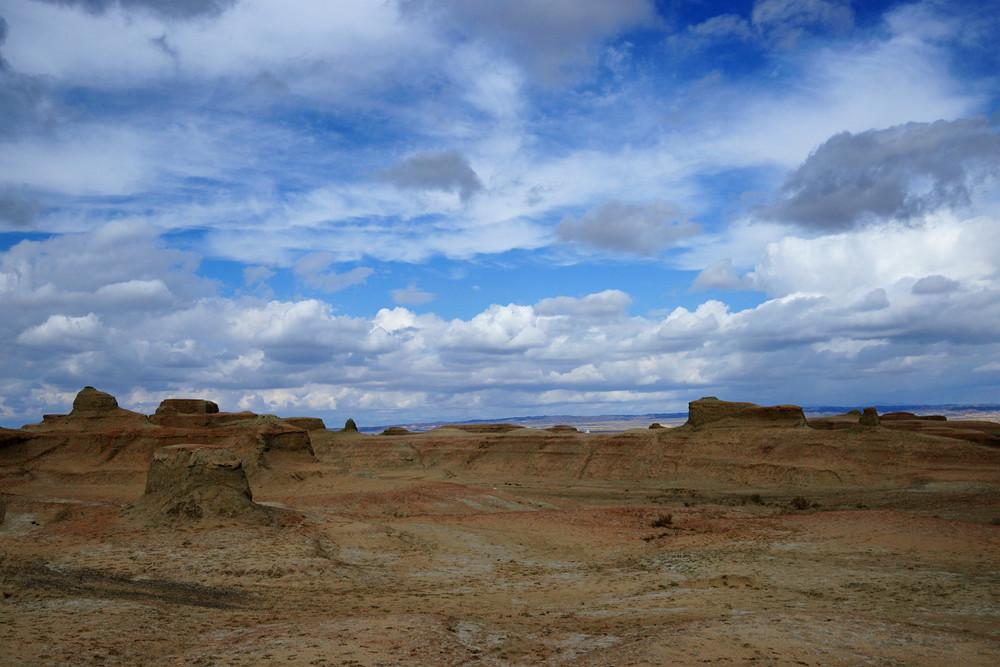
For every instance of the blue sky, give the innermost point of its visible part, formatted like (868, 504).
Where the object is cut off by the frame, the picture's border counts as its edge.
(442, 209)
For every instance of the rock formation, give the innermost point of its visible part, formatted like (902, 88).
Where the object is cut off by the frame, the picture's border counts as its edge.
(93, 409)
(396, 430)
(191, 482)
(187, 406)
(91, 400)
(711, 411)
(306, 423)
(980, 432)
(869, 418)
(907, 416)
(350, 426)
(656, 425)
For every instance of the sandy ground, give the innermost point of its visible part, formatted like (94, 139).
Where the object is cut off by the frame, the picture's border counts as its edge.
(770, 546)
(401, 569)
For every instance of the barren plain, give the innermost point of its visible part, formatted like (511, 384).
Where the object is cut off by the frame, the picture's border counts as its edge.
(746, 536)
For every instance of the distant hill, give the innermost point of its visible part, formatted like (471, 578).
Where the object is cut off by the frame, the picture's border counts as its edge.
(615, 423)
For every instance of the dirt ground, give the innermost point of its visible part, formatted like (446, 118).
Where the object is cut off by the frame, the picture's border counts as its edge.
(387, 553)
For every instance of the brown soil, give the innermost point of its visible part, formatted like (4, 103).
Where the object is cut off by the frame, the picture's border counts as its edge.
(743, 544)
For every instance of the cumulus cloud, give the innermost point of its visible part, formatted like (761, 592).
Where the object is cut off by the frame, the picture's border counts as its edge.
(17, 208)
(640, 229)
(846, 263)
(314, 270)
(877, 299)
(611, 303)
(63, 332)
(168, 8)
(299, 355)
(553, 40)
(448, 171)
(721, 275)
(936, 284)
(24, 104)
(411, 295)
(897, 173)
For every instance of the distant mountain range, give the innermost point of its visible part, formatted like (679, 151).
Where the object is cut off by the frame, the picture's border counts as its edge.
(616, 423)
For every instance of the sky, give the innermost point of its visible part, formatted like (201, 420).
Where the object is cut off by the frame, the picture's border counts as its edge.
(421, 210)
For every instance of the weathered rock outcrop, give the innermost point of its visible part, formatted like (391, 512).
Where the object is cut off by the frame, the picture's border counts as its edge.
(908, 416)
(93, 409)
(979, 432)
(711, 411)
(10, 437)
(869, 418)
(187, 406)
(276, 434)
(350, 426)
(91, 400)
(192, 482)
(306, 423)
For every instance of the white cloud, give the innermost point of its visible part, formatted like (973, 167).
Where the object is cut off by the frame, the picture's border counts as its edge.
(411, 295)
(936, 284)
(554, 40)
(256, 275)
(577, 353)
(721, 275)
(307, 43)
(63, 331)
(610, 303)
(448, 171)
(642, 229)
(314, 271)
(273, 121)
(881, 256)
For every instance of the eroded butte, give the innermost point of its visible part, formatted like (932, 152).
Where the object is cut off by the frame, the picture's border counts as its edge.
(750, 535)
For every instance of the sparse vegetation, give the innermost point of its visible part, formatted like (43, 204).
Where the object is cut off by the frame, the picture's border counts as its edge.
(800, 503)
(995, 521)
(662, 521)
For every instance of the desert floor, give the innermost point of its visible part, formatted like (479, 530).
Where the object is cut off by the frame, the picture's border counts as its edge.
(411, 568)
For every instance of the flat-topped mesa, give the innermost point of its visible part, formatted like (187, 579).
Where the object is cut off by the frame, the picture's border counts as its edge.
(306, 423)
(194, 481)
(192, 412)
(187, 406)
(711, 411)
(908, 416)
